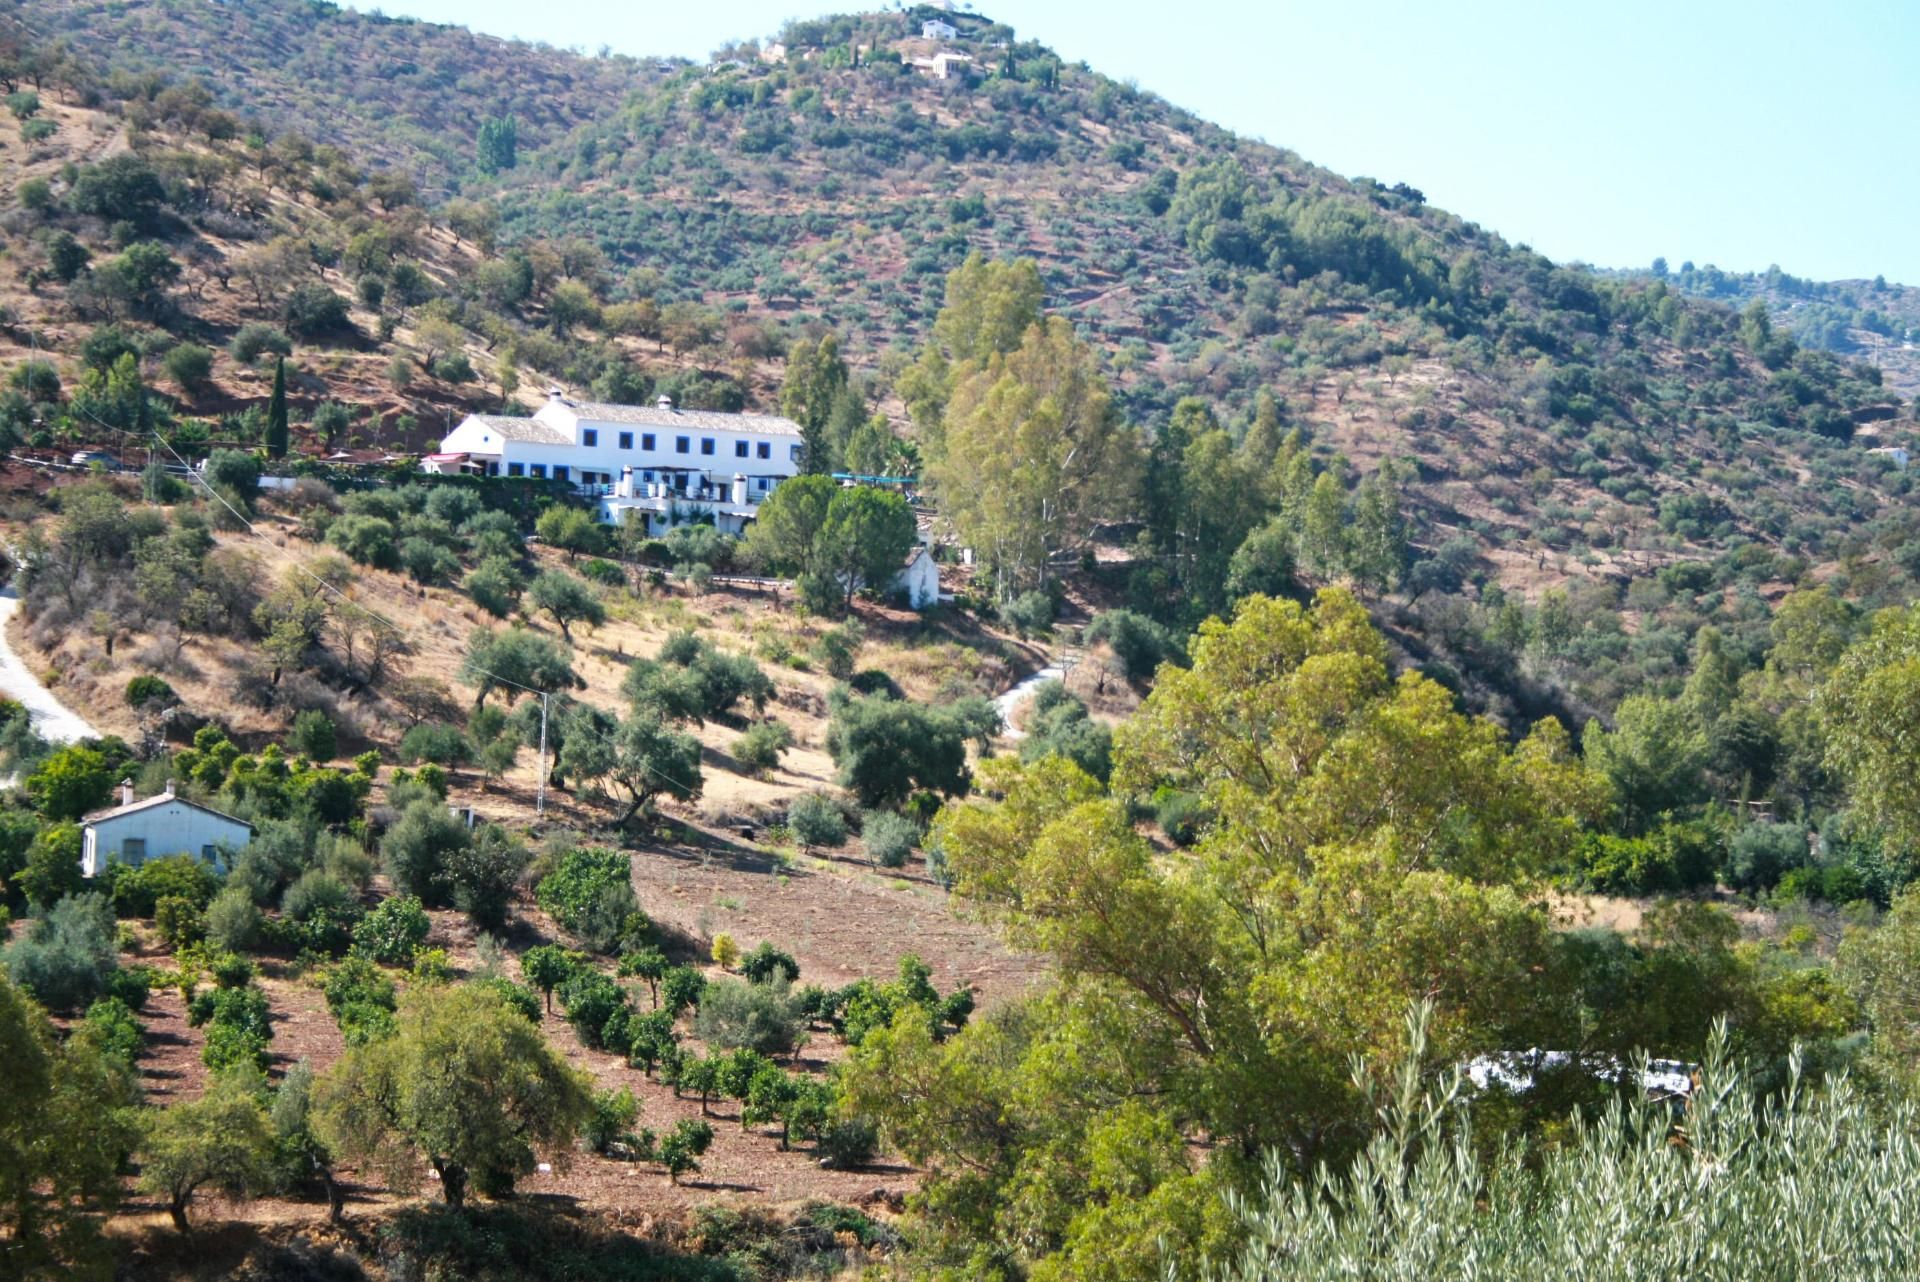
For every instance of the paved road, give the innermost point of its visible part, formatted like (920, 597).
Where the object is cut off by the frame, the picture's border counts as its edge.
(55, 722)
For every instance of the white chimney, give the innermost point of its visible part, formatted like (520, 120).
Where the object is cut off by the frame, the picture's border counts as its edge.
(665, 402)
(740, 488)
(169, 787)
(126, 792)
(624, 489)
(555, 394)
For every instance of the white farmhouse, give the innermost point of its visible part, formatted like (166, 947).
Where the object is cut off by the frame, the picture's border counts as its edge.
(670, 465)
(919, 578)
(136, 831)
(938, 29)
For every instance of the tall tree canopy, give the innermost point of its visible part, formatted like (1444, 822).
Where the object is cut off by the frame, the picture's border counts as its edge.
(1034, 454)
(467, 1086)
(1368, 846)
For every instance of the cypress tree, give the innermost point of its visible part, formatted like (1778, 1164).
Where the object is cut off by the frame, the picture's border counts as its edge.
(277, 412)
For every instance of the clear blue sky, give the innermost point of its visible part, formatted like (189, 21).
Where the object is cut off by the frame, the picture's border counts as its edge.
(1741, 134)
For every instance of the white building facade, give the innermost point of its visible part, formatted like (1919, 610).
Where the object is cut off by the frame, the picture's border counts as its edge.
(669, 465)
(919, 578)
(136, 831)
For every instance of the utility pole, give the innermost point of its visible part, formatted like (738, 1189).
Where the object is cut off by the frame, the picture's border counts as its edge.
(540, 800)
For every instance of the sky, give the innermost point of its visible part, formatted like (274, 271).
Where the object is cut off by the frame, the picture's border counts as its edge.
(1739, 134)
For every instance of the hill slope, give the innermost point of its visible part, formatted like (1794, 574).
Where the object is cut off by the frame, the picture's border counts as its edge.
(1564, 423)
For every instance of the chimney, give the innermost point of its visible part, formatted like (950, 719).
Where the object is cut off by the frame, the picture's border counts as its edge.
(624, 490)
(555, 394)
(169, 787)
(126, 792)
(740, 488)
(665, 402)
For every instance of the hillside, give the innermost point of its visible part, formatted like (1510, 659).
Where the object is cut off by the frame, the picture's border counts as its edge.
(838, 187)
(1873, 321)
(1364, 650)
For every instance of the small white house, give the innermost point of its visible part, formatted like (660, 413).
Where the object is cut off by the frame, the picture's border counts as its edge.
(938, 29)
(136, 831)
(919, 578)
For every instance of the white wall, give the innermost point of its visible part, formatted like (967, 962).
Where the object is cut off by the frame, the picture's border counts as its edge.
(608, 457)
(921, 580)
(170, 829)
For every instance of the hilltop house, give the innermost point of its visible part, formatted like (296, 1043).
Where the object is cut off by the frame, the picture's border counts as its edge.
(670, 465)
(938, 29)
(943, 64)
(136, 831)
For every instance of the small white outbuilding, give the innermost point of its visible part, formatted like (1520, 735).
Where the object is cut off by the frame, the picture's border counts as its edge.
(136, 831)
(919, 578)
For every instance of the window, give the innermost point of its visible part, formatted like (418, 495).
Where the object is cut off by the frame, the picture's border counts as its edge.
(706, 445)
(739, 449)
(682, 444)
(646, 440)
(765, 484)
(647, 476)
(206, 853)
(537, 469)
(133, 849)
(793, 452)
(766, 449)
(515, 469)
(626, 440)
(559, 471)
(589, 436)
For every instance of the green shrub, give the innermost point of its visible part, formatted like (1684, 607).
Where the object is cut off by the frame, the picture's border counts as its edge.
(68, 958)
(1030, 613)
(244, 1008)
(766, 962)
(889, 838)
(518, 996)
(393, 932)
(603, 572)
(760, 1017)
(254, 339)
(817, 820)
(231, 970)
(762, 745)
(147, 689)
(180, 921)
(1181, 815)
(441, 744)
(313, 736)
(1762, 853)
(317, 892)
(609, 1127)
(589, 1000)
(137, 891)
(681, 1148)
(116, 1029)
(230, 1047)
(849, 1144)
(590, 893)
(1138, 642)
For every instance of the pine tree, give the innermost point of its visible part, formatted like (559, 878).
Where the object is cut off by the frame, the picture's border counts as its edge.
(277, 412)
